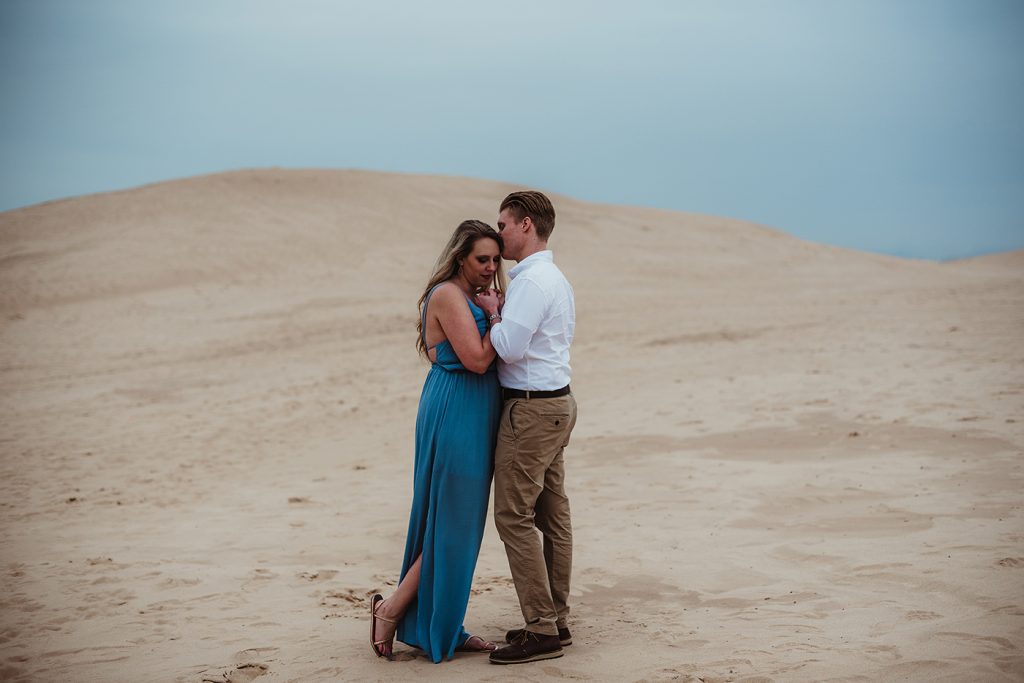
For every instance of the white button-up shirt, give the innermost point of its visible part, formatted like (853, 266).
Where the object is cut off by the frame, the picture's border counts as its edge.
(537, 326)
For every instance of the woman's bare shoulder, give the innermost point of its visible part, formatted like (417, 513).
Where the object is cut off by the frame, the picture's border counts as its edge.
(447, 293)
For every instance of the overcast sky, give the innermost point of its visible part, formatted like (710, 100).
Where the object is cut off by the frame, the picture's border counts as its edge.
(886, 125)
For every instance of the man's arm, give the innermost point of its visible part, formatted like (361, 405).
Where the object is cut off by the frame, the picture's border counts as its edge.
(520, 317)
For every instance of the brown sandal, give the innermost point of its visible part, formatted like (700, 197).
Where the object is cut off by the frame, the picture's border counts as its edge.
(374, 617)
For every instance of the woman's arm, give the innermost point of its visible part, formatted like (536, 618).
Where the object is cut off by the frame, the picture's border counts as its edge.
(451, 310)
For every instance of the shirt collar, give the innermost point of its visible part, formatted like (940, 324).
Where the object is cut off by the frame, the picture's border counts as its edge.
(539, 257)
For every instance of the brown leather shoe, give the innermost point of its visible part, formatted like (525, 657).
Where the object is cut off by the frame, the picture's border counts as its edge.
(564, 637)
(530, 647)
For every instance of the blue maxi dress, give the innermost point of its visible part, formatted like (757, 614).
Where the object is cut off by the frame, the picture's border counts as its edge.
(456, 427)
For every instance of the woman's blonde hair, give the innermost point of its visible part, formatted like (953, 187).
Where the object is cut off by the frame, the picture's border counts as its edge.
(458, 248)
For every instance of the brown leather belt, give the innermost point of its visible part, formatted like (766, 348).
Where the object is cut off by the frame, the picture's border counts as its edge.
(506, 394)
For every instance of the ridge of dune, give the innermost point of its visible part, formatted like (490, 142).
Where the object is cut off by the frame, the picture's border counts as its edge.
(793, 461)
(229, 226)
(1006, 259)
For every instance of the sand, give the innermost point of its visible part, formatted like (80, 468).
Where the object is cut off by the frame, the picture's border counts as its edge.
(793, 462)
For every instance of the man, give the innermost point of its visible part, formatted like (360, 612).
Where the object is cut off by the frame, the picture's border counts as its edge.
(531, 332)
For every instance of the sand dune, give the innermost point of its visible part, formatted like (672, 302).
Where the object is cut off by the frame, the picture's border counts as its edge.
(793, 462)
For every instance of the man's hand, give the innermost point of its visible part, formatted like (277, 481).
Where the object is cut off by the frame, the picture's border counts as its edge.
(491, 301)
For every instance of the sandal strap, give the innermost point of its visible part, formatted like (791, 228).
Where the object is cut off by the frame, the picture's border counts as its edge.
(384, 619)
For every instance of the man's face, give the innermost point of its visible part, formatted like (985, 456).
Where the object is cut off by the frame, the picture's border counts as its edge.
(512, 234)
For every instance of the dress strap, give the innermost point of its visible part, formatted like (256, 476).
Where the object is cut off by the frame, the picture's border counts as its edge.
(423, 318)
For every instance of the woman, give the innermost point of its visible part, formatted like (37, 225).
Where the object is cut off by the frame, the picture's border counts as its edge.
(455, 430)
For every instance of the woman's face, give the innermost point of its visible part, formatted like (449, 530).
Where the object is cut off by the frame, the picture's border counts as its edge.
(479, 267)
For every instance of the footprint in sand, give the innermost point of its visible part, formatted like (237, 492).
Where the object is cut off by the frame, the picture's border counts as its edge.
(257, 576)
(179, 583)
(383, 579)
(243, 656)
(348, 599)
(301, 500)
(319, 575)
(558, 672)
(921, 615)
(246, 669)
(1011, 562)
(240, 674)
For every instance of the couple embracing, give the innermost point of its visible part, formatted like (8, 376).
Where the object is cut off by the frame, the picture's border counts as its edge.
(496, 401)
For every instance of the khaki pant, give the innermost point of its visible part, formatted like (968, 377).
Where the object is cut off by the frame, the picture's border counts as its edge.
(529, 495)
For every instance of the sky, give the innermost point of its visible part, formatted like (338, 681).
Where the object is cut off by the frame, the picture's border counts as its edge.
(882, 125)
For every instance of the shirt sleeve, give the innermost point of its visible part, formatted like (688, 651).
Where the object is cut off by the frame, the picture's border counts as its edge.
(520, 318)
